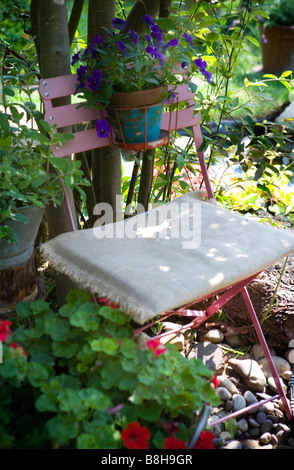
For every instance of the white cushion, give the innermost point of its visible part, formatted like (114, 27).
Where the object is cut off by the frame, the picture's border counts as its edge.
(172, 255)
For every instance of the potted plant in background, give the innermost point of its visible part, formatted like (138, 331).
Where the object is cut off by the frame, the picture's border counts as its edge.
(277, 36)
(30, 178)
(129, 70)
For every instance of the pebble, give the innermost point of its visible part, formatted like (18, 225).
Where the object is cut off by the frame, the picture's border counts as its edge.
(265, 438)
(239, 402)
(233, 445)
(223, 393)
(250, 372)
(214, 336)
(281, 366)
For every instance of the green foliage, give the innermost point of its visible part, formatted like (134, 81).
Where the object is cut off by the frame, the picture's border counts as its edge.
(29, 173)
(280, 12)
(84, 379)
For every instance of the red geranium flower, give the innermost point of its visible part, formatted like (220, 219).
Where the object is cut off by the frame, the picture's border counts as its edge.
(136, 436)
(4, 329)
(154, 345)
(16, 346)
(215, 381)
(101, 300)
(173, 443)
(205, 440)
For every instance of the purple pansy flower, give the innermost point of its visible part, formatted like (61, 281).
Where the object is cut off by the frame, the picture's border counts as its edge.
(75, 58)
(95, 80)
(102, 127)
(121, 47)
(134, 36)
(172, 43)
(118, 23)
(189, 38)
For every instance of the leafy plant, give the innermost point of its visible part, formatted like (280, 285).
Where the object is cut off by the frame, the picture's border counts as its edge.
(280, 12)
(29, 173)
(78, 380)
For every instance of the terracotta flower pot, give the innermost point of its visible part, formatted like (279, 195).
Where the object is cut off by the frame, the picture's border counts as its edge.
(277, 44)
(136, 117)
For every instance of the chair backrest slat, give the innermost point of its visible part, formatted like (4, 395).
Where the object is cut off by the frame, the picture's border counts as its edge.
(70, 114)
(73, 114)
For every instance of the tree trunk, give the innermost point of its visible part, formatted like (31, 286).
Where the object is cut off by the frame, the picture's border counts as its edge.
(106, 162)
(18, 283)
(50, 29)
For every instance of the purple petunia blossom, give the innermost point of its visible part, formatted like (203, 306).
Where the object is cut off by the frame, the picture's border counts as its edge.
(118, 23)
(134, 36)
(150, 50)
(172, 43)
(81, 72)
(149, 20)
(121, 47)
(208, 76)
(102, 127)
(95, 80)
(75, 58)
(198, 62)
(97, 40)
(189, 38)
(157, 37)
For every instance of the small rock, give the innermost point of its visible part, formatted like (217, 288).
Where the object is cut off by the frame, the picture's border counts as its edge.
(223, 393)
(218, 442)
(253, 423)
(257, 352)
(260, 417)
(178, 340)
(243, 425)
(228, 384)
(210, 354)
(234, 341)
(229, 405)
(291, 343)
(268, 407)
(254, 432)
(280, 363)
(272, 384)
(251, 444)
(250, 372)
(214, 336)
(287, 375)
(233, 445)
(266, 426)
(225, 435)
(239, 402)
(265, 438)
(250, 397)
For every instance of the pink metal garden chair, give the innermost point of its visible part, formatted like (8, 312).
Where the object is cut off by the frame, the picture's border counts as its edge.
(163, 261)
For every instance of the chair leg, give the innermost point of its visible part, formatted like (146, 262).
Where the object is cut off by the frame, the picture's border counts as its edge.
(266, 351)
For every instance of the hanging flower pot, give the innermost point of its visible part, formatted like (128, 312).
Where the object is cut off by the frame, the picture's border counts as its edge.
(136, 117)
